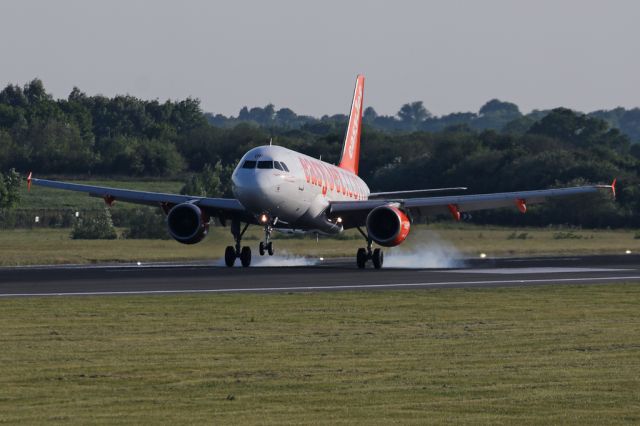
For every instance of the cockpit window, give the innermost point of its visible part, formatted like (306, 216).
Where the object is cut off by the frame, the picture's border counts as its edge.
(265, 164)
(249, 164)
(284, 166)
(277, 165)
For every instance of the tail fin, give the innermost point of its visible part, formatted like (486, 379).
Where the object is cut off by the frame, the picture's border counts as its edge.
(351, 147)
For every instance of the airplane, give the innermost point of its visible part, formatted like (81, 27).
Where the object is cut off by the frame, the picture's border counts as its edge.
(280, 189)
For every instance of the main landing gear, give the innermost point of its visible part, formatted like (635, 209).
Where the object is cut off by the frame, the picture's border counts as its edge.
(267, 244)
(232, 253)
(364, 255)
(244, 253)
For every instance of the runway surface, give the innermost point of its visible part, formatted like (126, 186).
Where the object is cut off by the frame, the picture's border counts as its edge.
(329, 275)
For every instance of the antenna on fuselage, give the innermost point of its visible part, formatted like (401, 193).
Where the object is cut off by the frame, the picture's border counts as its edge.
(270, 141)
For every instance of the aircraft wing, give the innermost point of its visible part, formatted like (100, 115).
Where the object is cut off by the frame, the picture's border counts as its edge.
(354, 213)
(413, 192)
(219, 207)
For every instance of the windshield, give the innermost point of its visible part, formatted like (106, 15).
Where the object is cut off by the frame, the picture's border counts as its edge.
(265, 164)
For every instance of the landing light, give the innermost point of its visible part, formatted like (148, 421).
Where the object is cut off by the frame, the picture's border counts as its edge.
(264, 218)
(339, 220)
(483, 255)
(628, 252)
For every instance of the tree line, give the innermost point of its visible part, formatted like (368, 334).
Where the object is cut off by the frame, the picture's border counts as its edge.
(495, 149)
(414, 116)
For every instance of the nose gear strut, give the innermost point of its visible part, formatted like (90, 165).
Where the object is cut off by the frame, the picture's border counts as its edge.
(267, 244)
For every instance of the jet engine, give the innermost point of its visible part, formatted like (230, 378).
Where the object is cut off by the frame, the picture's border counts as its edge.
(388, 225)
(187, 223)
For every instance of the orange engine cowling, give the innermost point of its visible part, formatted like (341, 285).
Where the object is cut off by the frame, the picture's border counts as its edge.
(388, 225)
(187, 223)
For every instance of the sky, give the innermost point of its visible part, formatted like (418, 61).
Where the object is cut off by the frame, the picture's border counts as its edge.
(453, 55)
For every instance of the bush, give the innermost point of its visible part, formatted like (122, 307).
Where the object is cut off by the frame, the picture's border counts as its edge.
(518, 236)
(147, 223)
(96, 228)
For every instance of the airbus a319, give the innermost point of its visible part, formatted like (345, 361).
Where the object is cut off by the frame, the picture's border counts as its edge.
(277, 188)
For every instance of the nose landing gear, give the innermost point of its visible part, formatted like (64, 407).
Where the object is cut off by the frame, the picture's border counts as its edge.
(266, 248)
(267, 244)
(231, 253)
(364, 255)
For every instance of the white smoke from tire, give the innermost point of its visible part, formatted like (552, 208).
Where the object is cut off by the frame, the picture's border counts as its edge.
(281, 258)
(425, 250)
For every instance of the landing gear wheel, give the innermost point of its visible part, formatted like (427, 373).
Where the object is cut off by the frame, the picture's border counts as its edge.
(361, 258)
(261, 248)
(245, 256)
(378, 258)
(270, 248)
(229, 256)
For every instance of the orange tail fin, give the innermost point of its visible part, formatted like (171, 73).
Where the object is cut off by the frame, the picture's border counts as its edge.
(351, 149)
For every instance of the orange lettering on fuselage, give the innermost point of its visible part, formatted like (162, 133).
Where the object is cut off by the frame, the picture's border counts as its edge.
(312, 172)
(347, 179)
(331, 183)
(336, 179)
(325, 182)
(315, 176)
(305, 167)
(331, 178)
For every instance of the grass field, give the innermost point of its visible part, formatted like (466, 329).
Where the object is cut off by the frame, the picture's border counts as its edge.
(47, 246)
(541, 355)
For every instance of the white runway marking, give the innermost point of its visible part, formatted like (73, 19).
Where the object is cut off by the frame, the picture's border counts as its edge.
(329, 287)
(534, 270)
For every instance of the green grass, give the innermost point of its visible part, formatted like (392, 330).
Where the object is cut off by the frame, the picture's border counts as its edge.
(48, 198)
(50, 246)
(541, 355)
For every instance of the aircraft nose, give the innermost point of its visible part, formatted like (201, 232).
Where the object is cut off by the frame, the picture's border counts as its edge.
(253, 188)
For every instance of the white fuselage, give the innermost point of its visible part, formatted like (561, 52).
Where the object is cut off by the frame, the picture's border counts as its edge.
(296, 194)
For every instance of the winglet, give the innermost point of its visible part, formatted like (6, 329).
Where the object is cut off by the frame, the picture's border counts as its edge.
(613, 187)
(29, 181)
(351, 149)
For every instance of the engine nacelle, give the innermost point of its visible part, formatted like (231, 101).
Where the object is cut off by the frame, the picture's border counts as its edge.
(388, 225)
(187, 223)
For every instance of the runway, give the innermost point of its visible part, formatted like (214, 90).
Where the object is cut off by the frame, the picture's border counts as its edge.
(329, 275)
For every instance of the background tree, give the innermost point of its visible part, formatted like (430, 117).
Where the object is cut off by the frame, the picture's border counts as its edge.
(413, 113)
(496, 114)
(494, 149)
(211, 182)
(9, 189)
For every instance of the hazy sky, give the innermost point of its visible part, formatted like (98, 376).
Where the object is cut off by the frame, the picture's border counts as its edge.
(453, 55)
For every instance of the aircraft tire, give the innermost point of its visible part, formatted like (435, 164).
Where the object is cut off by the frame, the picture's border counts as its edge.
(261, 248)
(229, 256)
(270, 248)
(378, 258)
(245, 256)
(361, 258)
